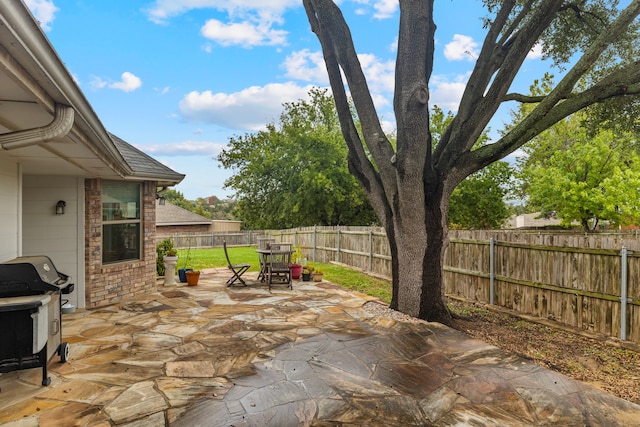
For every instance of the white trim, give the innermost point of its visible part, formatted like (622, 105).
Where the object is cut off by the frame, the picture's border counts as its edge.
(80, 281)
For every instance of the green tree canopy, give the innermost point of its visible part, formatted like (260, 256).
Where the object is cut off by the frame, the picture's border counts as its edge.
(177, 198)
(583, 177)
(478, 202)
(219, 209)
(295, 172)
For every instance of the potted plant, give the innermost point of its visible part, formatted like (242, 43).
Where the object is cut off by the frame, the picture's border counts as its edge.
(164, 248)
(307, 270)
(170, 259)
(192, 277)
(317, 275)
(182, 272)
(297, 262)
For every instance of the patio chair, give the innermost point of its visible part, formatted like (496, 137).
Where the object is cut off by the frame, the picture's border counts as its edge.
(278, 265)
(264, 243)
(237, 269)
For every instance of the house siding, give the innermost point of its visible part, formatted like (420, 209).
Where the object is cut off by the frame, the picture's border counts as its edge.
(57, 236)
(108, 284)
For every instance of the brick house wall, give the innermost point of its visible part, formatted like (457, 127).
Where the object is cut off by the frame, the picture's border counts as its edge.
(182, 229)
(108, 284)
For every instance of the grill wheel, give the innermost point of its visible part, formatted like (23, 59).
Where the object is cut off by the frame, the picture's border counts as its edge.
(63, 351)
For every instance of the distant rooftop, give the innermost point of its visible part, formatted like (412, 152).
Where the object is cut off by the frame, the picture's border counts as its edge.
(531, 220)
(170, 214)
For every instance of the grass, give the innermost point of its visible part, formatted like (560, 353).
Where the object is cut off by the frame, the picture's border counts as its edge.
(345, 277)
(214, 257)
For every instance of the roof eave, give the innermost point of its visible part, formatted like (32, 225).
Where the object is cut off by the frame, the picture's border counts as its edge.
(39, 58)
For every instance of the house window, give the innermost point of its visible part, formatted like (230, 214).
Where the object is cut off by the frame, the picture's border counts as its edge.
(121, 225)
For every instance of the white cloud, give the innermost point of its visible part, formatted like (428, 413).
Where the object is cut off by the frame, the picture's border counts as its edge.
(380, 74)
(44, 11)
(97, 83)
(183, 148)
(385, 8)
(461, 48)
(447, 94)
(271, 10)
(249, 109)
(309, 66)
(306, 66)
(245, 33)
(129, 82)
(382, 9)
(207, 47)
(536, 52)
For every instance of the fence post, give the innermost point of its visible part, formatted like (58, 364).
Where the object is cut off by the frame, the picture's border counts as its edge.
(623, 293)
(315, 242)
(492, 271)
(338, 244)
(370, 250)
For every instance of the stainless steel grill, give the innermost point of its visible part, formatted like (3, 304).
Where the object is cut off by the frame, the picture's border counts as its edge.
(30, 314)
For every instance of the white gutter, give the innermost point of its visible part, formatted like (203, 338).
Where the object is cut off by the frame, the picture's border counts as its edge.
(59, 127)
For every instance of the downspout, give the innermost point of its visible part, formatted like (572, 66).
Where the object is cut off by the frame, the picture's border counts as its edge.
(59, 127)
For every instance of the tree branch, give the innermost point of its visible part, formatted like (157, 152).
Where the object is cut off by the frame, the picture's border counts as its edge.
(328, 23)
(579, 14)
(479, 104)
(560, 103)
(525, 99)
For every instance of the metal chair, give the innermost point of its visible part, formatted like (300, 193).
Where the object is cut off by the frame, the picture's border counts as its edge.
(264, 243)
(278, 265)
(237, 269)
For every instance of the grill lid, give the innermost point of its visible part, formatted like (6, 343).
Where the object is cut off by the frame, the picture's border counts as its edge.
(31, 275)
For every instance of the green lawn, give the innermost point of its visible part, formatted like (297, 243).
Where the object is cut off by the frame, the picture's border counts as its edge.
(350, 279)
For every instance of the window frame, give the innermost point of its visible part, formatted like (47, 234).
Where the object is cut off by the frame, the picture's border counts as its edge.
(106, 222)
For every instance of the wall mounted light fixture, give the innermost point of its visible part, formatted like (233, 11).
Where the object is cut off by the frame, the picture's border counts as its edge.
(60, 207)
(160, 199)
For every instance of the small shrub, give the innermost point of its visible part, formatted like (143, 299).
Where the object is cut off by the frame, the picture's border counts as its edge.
(163, 248)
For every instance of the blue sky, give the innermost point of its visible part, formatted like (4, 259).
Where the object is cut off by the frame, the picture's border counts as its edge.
(177, 78)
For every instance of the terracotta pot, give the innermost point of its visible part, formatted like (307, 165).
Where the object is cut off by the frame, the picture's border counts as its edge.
(317, 277)
(192, 277)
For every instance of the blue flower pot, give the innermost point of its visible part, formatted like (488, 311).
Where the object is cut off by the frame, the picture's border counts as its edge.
(182, 274)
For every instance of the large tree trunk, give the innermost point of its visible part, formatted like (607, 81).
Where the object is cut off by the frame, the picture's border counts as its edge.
(418, 242)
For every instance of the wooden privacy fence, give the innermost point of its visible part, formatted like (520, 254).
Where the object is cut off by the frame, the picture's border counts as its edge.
(591, 282)
(211, 239)
(587, 282)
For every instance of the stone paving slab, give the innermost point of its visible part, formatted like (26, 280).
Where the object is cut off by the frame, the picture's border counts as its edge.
(209, 355)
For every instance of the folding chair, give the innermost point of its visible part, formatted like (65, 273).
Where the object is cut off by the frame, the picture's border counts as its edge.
(278, 265)
(238, 269)
(263, 244)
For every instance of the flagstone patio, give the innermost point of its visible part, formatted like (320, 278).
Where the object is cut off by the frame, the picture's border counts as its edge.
(209, 355)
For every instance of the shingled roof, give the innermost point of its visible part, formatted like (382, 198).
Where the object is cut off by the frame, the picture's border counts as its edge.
(145, 166)
(170, 214)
